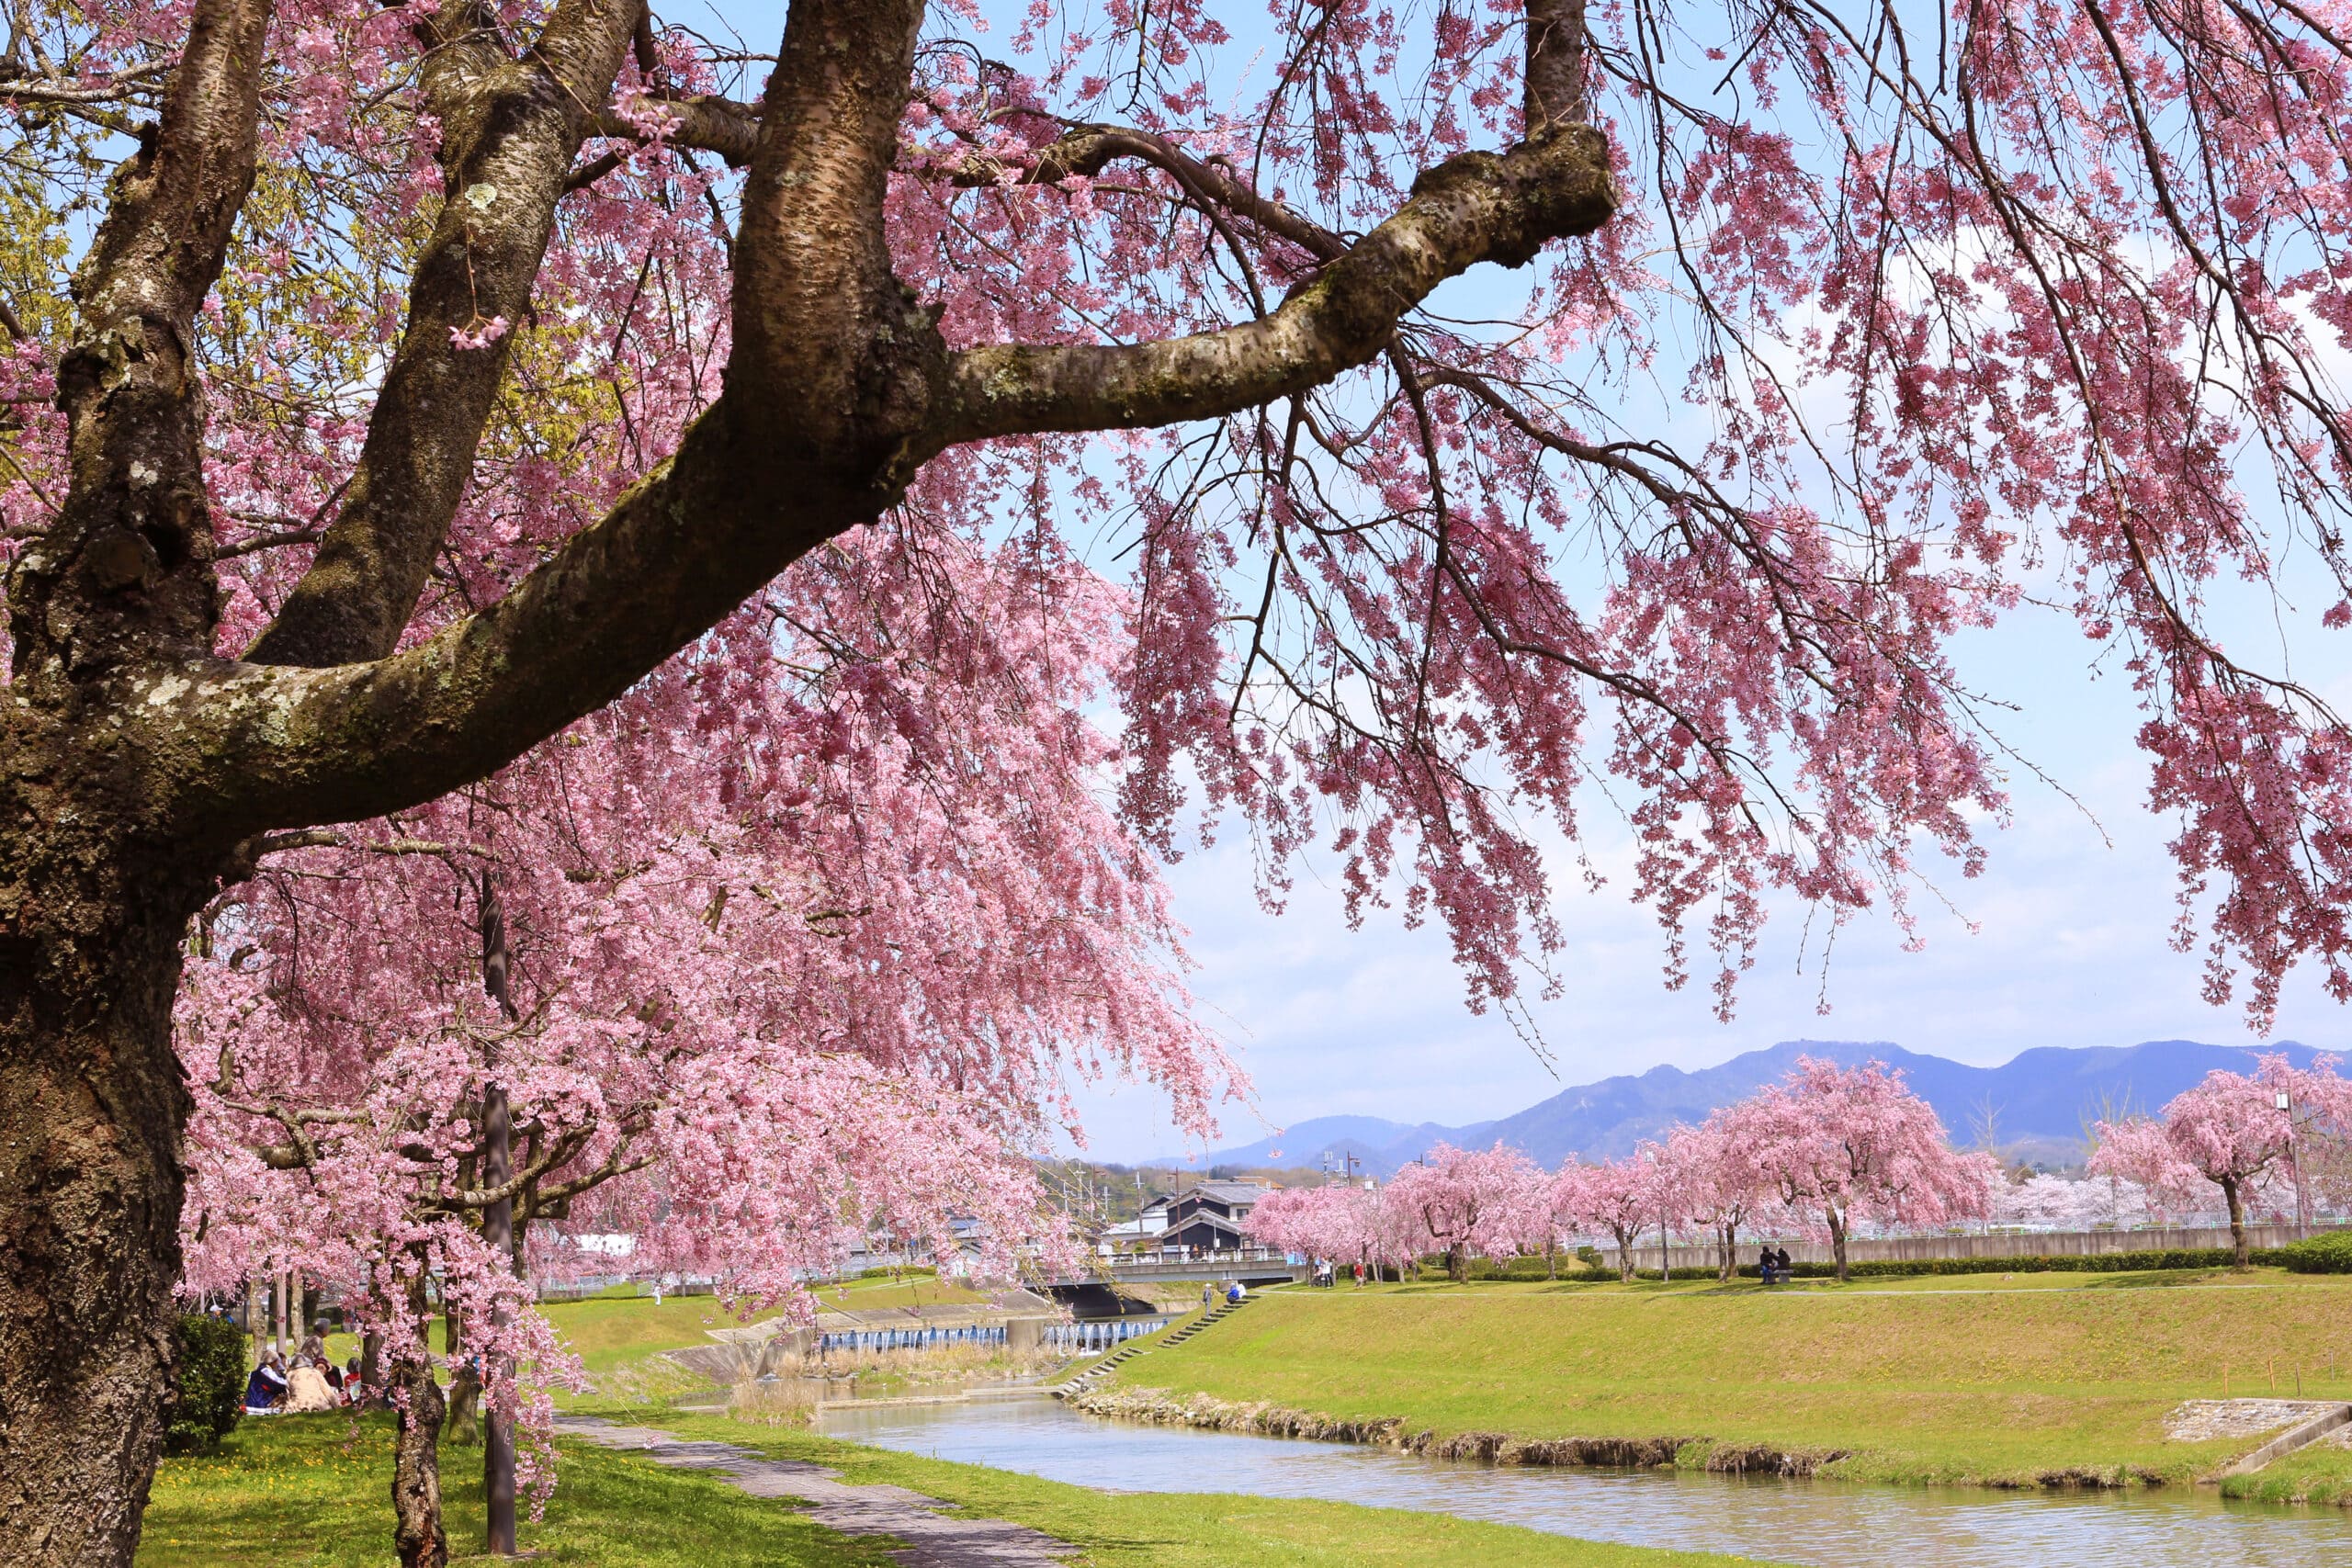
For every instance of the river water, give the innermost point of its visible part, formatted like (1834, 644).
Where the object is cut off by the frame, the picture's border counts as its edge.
(1822, 1523)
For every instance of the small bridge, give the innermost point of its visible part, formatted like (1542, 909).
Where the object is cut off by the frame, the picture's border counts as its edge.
(1107, 1291)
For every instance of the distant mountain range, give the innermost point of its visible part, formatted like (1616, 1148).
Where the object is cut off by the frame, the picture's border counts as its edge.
(2040, 1101)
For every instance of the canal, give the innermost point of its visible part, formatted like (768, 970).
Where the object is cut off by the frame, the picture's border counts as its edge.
(1822, 1523)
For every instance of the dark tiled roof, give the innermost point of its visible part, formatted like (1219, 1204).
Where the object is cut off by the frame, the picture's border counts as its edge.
(1228, 1191)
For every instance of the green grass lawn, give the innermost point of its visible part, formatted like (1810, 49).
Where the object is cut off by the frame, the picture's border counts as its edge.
(1986, 1378)
(2320, 1474)
(303, 1492)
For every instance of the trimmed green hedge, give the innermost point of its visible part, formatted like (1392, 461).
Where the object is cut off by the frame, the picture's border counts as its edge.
(2327, 1253)
(211, 1384)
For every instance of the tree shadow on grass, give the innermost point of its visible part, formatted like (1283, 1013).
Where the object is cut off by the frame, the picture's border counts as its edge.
(2155, 1279)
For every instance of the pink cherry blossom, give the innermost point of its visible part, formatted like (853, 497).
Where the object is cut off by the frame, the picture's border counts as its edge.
(2230, 1131)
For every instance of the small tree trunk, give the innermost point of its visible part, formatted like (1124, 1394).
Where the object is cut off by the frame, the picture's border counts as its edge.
(462, 1408)
(1730, 1252)
(1624, 1257)
(1552, 1260)
(1838, 1241)
(371, 1365)
(1457, 1262)
(2237, 1222)
(417, 1534)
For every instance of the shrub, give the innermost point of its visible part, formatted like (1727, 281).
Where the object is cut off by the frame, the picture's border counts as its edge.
(211, 1383)
(2330, 1252)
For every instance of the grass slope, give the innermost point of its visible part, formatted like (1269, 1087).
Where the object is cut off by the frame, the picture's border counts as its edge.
(303, 1491)
(2005, 1381)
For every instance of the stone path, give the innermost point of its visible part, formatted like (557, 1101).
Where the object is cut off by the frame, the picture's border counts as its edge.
(936, 1536)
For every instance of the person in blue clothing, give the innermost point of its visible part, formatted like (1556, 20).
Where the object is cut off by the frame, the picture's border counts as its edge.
(1233, 1294)
(266, 1387)
(1764, 1262)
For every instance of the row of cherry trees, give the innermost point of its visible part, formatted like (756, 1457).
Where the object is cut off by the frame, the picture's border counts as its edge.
(1826, 1151)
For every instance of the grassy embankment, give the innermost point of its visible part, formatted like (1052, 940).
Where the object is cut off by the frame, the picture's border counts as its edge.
(302, 1490)
(617, 1336)
(2026, 1380)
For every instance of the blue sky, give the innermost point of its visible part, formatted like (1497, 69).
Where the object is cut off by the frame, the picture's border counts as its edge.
(2071, 950)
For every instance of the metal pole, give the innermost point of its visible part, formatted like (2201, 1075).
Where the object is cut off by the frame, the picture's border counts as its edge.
(2295, 1164)
(497, 1229)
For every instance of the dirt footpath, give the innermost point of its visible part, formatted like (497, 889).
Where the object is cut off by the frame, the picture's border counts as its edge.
(937, 1534)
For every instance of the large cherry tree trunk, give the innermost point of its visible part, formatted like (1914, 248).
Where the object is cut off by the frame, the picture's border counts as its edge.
(90, 1181)
(417, 1533)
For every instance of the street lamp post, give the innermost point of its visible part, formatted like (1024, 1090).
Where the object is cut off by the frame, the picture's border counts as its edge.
(2295, 1163)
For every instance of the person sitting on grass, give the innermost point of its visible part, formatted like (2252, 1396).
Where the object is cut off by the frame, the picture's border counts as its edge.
(307, 1390)
(355, 1391)
(267, 1386)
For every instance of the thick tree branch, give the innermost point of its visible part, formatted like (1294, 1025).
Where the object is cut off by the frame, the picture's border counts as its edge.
(1554, 74)
(139, 83)
(1477, 206)
(124, 570)
(256, 747)
(704, 122)
(1087, 150)
(830, 344)
(511, 129)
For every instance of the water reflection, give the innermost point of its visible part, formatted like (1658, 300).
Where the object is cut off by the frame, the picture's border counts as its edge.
(1821, 1523)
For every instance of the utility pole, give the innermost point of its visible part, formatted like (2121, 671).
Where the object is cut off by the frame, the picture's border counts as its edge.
(497, 1224)
(2295, 1163)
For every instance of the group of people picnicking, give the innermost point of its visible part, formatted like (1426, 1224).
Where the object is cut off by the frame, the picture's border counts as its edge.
(312, 1382)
